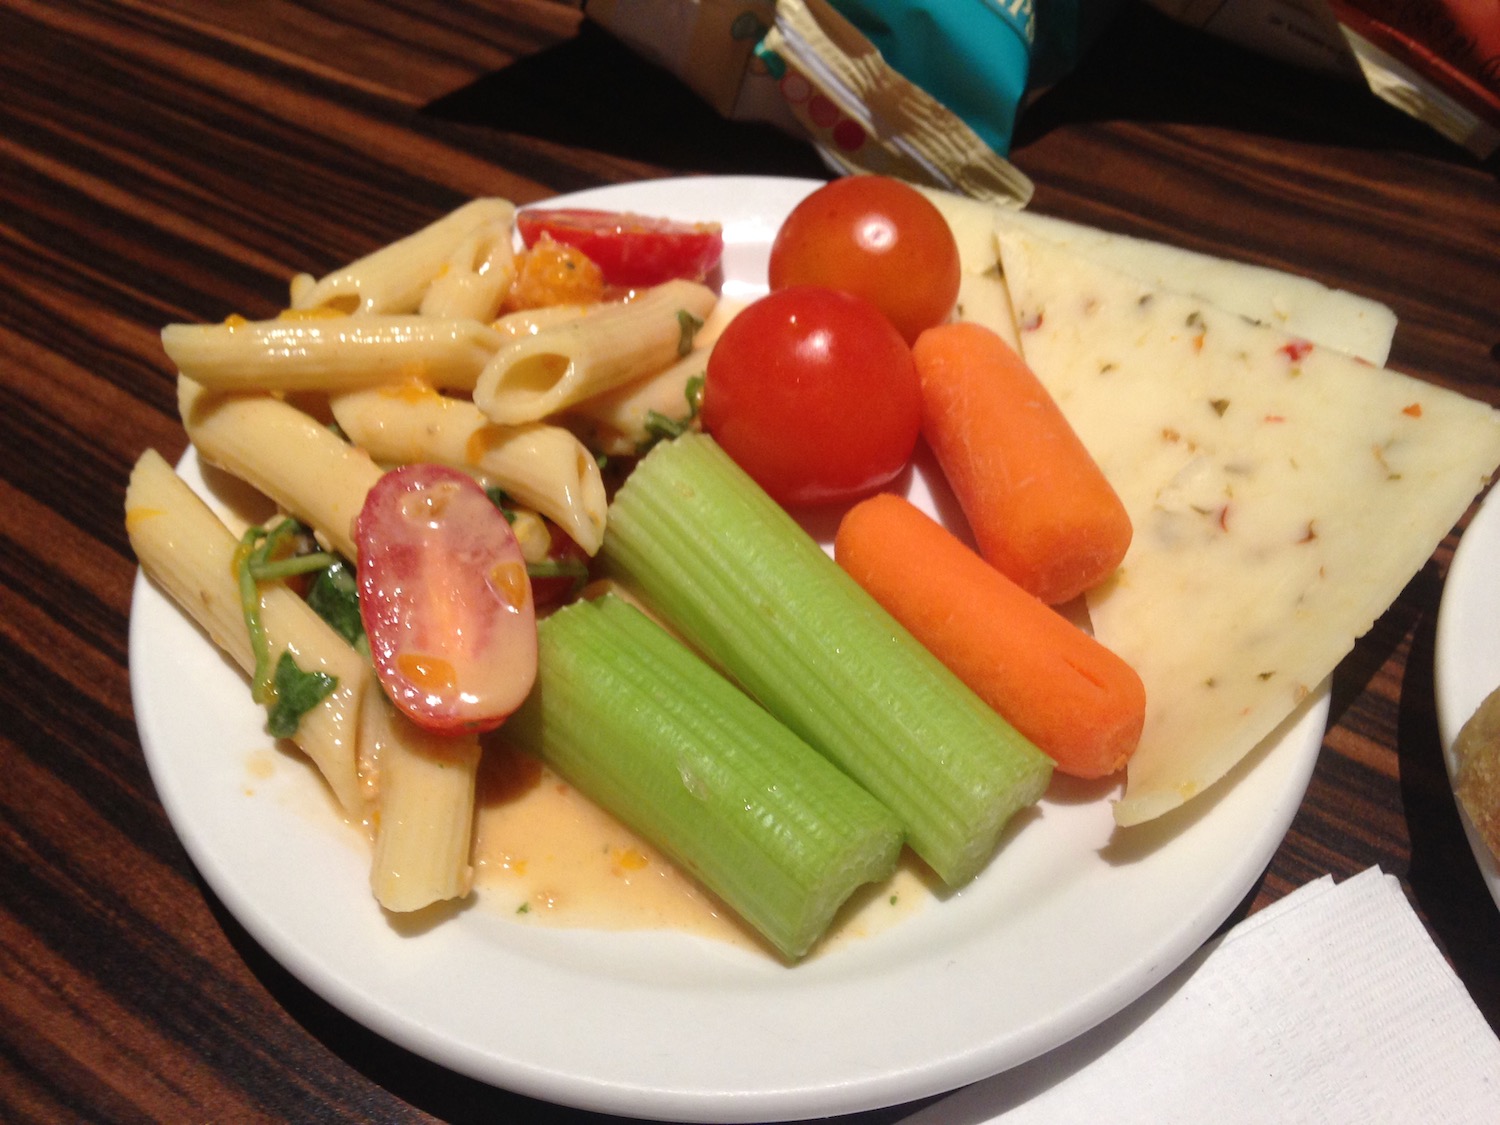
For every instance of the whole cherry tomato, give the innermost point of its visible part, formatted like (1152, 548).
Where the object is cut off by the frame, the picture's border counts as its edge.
(632, 250)
(878, 238)
(814, 394)
(445, 600)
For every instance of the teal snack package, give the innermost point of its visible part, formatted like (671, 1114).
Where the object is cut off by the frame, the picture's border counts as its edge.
(980, 58)
(974, 56)
(863, 115)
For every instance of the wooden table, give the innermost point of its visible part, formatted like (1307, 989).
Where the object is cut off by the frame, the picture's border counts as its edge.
(176, 160)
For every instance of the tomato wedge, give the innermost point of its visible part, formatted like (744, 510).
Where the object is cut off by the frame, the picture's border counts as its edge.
(632, 250)
(445, 600)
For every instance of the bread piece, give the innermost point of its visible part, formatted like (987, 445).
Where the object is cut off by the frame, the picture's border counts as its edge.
(1477, 749)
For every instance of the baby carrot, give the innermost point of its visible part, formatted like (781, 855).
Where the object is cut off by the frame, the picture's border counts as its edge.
(1039, 507)
(1075, 699)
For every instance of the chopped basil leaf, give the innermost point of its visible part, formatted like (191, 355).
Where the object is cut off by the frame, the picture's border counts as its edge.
(660, 427)
(266, 555)
(334, 596)
(249, 590)
(501, 499)
(576, 569)
(688, 324)
(295, 693)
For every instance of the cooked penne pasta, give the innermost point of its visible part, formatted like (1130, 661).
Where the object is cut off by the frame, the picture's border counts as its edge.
(528, 322)
(408, 351)
(618, 421)
(563, 364)
(541, 466)
(302, 465)
(473, 281)
(424, 831)
(188, 551)
(332, 353)
(395, 278)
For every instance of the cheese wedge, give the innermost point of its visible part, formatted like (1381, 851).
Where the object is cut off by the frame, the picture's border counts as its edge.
(1282, 494)
(1295, 304)
(983, 299)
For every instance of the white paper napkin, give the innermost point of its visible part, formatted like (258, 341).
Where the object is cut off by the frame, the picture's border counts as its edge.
(1331, 1005)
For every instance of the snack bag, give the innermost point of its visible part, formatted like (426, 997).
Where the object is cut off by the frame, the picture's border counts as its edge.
(982, 59)
(804, 66)
(864, 116)
(706, 43)
(1437, 61)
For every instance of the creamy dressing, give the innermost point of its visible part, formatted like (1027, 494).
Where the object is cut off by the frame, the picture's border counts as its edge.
(547, 854)
(544, 854)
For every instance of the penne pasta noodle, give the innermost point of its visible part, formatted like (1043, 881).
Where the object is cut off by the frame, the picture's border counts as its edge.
(302, 465)
(188, 552)
(528, 322)
(618, 421)
(473, 281)
(332, 353)
(562, 364)
(541, 466)
(425, 822)
(395, 278)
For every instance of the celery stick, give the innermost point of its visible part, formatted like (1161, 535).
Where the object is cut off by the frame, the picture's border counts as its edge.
(647, 730)
(738, 578)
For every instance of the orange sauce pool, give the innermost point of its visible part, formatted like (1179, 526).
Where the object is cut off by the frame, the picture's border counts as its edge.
(547, 855)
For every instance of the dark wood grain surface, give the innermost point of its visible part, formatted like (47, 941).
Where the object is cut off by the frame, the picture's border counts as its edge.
(180, 159)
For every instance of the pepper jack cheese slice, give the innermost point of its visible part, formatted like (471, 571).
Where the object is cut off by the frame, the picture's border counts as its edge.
(1295, 304)
(1282, 494)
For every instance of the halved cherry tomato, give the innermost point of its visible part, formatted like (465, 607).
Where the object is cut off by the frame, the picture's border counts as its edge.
(445, 600)
(876, 237)
(814, 394)
(632, 250)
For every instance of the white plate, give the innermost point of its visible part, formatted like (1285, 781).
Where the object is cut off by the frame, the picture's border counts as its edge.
(1067, 926)
(1467, 655)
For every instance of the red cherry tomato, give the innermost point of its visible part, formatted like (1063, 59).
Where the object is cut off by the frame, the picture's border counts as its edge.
(561, 574)
(445, 600)
(878, 238)
(814, 394)
(632, 250)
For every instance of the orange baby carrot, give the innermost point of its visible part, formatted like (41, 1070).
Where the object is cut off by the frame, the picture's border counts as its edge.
(1038, 505)
(1075, 699)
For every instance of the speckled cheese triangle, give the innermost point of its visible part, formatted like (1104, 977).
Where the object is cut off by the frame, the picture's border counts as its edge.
(1282, 494)
(1299, 305)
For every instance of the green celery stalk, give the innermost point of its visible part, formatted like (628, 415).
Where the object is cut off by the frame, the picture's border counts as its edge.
(643, 727)
(732, 573)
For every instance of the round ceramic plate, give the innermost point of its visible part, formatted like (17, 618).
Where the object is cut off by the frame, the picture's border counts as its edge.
(1069, 924)
(1467, 656)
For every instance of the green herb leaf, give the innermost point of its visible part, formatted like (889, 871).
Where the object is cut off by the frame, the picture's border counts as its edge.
(501, 499)
(277, 569)
(576, 569)
(334, 596)
(688, 324)
(295, 693)
(266, 556)
(249, 590)
(661, 427)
